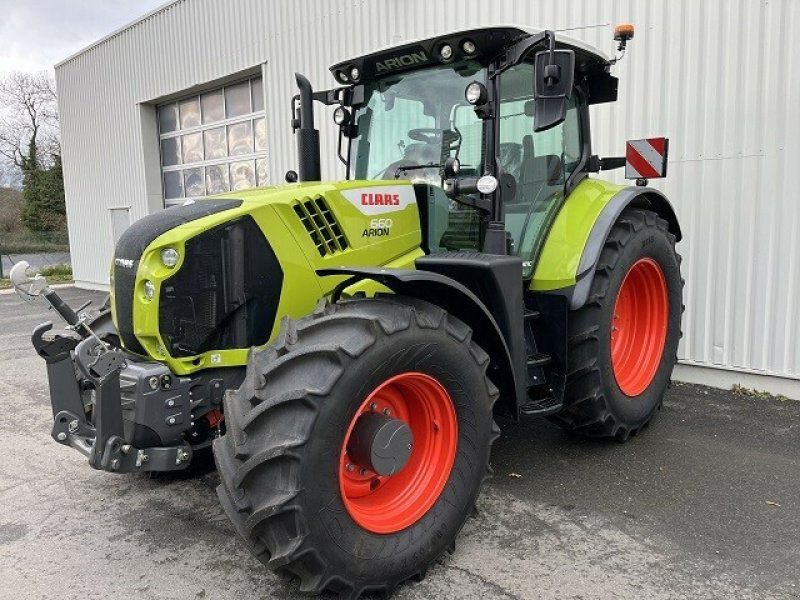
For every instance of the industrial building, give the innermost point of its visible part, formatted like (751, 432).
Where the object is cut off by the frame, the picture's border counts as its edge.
(194, 99)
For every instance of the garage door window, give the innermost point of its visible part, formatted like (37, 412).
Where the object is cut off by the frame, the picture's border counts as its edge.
(213, 142)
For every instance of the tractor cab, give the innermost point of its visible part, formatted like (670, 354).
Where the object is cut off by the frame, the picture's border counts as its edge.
(450, 112)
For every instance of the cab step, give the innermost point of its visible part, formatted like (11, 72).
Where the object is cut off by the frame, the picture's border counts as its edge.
(540, 408)
(539, 360)
(532, 315)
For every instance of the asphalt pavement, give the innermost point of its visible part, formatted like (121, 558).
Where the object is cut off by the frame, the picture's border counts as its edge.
(705, 503)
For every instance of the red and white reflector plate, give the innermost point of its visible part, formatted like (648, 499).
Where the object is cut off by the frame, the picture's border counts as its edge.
(646, 158)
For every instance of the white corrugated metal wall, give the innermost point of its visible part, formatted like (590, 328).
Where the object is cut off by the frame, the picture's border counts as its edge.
(721, 78)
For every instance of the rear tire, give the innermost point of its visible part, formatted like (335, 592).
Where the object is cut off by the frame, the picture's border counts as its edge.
(280, 462)
(613, 391)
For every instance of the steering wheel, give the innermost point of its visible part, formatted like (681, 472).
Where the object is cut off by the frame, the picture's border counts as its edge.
(426, 135)
(431, 135)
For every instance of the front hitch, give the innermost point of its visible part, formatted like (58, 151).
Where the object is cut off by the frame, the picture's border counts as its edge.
(100, 438)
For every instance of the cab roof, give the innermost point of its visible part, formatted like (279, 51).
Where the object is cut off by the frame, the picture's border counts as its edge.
(590, 62)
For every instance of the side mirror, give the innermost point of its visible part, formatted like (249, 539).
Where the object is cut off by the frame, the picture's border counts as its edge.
(554, 75)
(28, 288)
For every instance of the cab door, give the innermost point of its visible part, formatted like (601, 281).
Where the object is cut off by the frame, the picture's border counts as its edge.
(541, 163)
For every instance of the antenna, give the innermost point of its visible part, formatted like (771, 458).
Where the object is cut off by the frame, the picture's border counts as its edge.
(584, 27)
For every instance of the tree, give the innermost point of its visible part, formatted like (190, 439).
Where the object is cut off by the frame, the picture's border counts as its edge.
(29, 142)
(43, 191)
(29, 121)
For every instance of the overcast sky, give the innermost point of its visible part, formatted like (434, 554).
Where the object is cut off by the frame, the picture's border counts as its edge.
(36, 34)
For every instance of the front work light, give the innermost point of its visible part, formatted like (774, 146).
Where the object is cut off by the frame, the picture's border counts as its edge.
(475, 93)
(451, 166)
(446, 52)
(341, 116)
(468, 46)
(355, 73)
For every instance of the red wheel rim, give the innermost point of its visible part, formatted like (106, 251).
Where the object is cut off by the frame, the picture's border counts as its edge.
(639, 326)
(387, 504)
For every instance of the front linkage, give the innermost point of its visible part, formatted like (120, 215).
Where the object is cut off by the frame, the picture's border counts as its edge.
(100, 438)
(124, 414)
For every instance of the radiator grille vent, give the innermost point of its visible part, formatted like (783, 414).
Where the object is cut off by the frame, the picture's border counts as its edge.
(321, 225)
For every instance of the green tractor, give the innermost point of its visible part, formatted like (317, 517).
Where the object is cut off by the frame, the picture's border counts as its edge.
(346, 345)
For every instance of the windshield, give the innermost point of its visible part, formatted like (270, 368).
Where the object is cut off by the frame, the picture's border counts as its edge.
(410, 123)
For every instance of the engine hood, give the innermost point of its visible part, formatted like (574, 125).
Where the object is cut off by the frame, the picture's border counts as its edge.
(245, 260)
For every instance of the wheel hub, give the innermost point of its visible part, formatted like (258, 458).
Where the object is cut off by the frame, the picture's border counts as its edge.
(380, 444)
(398, 452)
(639, 326)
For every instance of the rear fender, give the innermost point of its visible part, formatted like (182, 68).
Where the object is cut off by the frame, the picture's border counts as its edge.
(642, 197)
(569, 257)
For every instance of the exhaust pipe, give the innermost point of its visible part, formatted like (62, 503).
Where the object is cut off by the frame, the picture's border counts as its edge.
(308, 158)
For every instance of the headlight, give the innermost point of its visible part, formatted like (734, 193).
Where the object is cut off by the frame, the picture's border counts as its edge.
(475, 93)
(149, 289)
(169, 257)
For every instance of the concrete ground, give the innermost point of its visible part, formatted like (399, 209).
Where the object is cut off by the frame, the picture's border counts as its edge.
(703, 504)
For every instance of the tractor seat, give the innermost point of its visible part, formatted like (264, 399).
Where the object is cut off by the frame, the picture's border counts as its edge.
(510, 156)
(536, 172)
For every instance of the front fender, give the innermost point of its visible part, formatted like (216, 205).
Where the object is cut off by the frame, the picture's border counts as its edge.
(457, 300)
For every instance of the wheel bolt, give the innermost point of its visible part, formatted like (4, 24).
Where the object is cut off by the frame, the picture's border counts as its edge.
(387, 412)
(363, 471)
(373, 406)
(350, 466)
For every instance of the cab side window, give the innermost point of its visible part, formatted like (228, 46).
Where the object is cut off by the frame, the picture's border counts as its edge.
(391, 121)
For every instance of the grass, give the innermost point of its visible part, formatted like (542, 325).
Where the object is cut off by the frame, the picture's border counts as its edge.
(57, 272)
(740, 390)
(33, 242)
(54, 274)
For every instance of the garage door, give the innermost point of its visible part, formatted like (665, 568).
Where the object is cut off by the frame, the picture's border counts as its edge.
(213, 142)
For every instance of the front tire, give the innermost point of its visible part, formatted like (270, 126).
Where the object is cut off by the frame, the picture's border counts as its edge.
(307, 508)
(623, 343)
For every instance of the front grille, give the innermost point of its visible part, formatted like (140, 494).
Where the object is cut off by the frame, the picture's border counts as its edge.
(321, 225)
(226, 293)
